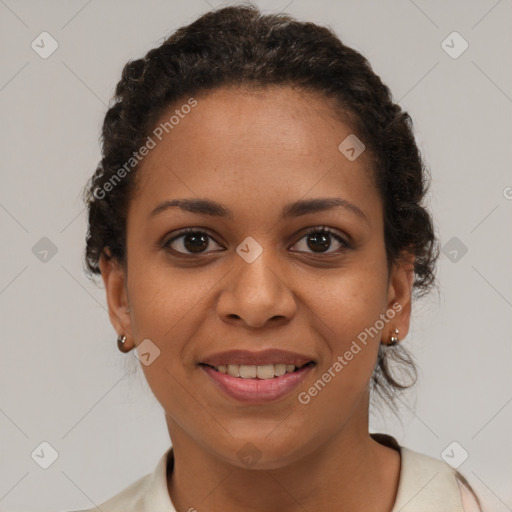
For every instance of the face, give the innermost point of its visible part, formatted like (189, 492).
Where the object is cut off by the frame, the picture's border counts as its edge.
(303, 279)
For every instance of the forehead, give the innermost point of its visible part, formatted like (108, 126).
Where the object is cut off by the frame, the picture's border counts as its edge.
(252, 148)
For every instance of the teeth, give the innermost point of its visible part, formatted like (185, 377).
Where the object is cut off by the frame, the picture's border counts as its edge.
(233, 370)
(263, 372)
(248, 372)
(266, 371)
(280, 369)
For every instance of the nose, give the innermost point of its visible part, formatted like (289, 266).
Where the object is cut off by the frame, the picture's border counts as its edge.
(258, 293)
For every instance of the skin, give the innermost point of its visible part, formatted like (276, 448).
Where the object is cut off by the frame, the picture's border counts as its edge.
(255, 152)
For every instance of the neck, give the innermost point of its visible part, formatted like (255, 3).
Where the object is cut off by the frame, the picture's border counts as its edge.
(348, 472)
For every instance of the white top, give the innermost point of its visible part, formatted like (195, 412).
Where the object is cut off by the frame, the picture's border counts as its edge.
(425, 485)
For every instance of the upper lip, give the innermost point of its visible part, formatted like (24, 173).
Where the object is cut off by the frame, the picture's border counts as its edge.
(246, 357)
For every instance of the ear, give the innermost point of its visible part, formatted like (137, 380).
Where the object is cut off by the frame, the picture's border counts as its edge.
(400, 297)
(114, 279)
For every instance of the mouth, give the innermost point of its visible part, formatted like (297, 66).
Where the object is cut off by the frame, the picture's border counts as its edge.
(257, 384)
(260, 372)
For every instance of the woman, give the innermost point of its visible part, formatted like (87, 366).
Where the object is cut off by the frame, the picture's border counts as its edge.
(258, 222)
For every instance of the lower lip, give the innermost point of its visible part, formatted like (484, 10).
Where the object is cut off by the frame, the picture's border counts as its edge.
(258, 390)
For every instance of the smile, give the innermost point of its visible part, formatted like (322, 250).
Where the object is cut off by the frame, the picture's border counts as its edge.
(257, 384)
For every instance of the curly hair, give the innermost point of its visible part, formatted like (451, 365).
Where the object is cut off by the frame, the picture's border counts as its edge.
(239, 46)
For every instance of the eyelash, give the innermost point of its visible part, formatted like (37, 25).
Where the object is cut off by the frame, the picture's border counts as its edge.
(320, 229)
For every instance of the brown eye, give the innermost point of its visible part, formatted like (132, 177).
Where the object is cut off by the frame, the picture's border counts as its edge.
(194, 241)
(190, 241)
(320, 240)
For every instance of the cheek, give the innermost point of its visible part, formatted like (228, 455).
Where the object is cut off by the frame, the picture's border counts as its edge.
(170, 307)
(349, 300)
(162, 296)
(165, 306)
(346, 312)
(345, 315)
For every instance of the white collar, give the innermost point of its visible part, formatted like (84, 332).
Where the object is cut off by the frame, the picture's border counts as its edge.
(424, 483)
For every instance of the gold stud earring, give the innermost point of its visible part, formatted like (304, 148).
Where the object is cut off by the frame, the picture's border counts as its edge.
(121, 340)
(393, 339)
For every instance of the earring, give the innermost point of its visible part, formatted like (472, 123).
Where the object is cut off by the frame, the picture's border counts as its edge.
(393, 339)
(121, 344)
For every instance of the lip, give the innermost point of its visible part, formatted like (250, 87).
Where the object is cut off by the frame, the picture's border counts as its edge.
(246, 357)
(256, 390)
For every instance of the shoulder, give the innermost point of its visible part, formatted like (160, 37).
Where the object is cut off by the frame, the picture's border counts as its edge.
(147, 494)
(129, 499)
(426, 482)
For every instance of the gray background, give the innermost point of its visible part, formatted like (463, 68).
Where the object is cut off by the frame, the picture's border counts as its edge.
(62, 379)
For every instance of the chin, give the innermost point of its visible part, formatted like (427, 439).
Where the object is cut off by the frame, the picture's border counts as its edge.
(262, 454)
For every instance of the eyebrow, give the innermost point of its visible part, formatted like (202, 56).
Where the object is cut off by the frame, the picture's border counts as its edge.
(292, 210)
